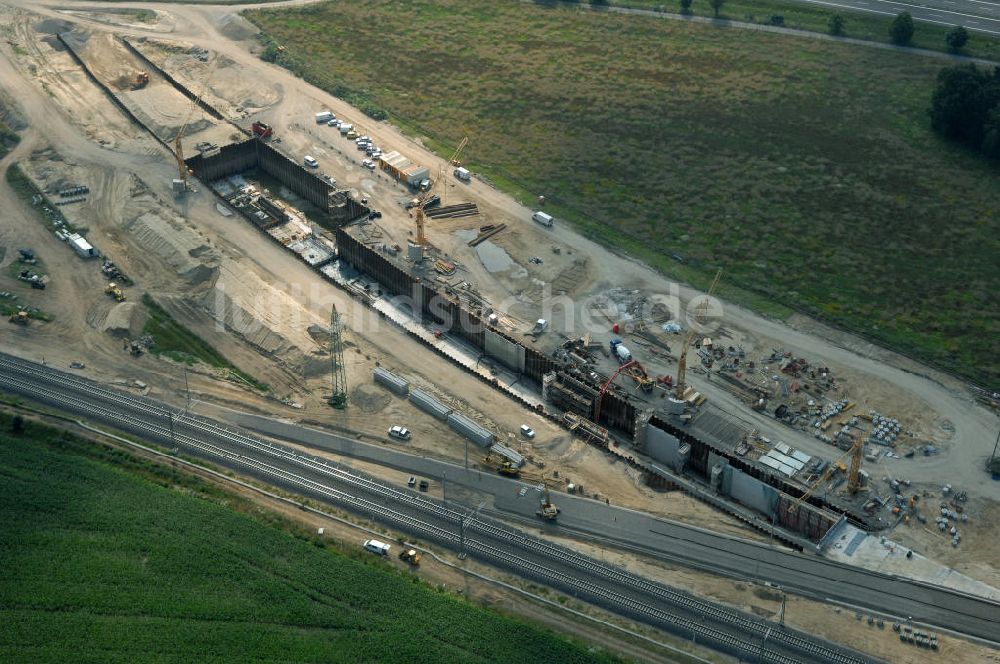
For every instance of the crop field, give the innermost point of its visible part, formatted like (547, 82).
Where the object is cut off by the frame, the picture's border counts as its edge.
(805, 168)
(108, 558)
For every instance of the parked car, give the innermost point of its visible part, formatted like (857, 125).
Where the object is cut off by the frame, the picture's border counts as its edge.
(412, 482)
(334, 122)
(310, 162)
(424, 484)
(369, 164)
(527, 431)
(399, 432)
(374, 214)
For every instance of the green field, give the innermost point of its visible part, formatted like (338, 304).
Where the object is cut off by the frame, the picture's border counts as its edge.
(107, 558)
(805, 168)
(173, 340)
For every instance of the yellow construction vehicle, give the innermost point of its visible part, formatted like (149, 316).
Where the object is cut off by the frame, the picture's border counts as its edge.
(410, 556)
(20, 317)
(115, 291)
(547, 510)
(502, 466)
(680, 386)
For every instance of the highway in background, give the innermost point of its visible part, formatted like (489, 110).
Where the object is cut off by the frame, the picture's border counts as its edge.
(978, 15)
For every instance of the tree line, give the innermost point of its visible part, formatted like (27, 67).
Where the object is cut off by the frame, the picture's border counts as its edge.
(965, 107)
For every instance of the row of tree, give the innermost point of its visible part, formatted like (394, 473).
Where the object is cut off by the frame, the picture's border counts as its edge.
(965, 107)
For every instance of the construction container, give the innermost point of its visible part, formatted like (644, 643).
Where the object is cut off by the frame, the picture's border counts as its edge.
(429, 404)
(402, 169)
(391, 381)
(466, 427)
(80, 245)
(516, 459)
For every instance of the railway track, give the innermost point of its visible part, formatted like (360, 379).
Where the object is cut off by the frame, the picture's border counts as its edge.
(721, 627)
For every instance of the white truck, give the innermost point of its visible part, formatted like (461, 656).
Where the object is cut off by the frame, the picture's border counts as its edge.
(463, 174)
(542, 218)
(377, 547)
(325, 116)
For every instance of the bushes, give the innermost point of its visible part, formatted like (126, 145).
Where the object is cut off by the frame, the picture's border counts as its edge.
(965, 107)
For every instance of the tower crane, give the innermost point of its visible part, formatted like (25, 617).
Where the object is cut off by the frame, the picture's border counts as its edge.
(454, 161)
(853, 475)
(182, 170)
(682, 362)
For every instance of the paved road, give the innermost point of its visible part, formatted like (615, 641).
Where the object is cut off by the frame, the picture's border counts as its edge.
(741, 634)
(978, 15)
(805, 574)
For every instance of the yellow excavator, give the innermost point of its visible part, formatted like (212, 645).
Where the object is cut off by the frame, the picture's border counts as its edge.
(502, 466)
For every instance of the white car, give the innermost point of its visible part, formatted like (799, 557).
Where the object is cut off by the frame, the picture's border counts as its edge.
(369, 164)
(310, 162)
(527, 431)
(333, 123)
(399, 432)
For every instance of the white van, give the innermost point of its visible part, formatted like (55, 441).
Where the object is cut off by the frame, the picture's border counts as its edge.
(310, 162)
(325, 116)
(463, 174)
(376, 547)
(543, 219)
(345, 127)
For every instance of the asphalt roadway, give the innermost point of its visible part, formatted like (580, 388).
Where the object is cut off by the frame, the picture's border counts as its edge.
(803, 573)
(978, 15)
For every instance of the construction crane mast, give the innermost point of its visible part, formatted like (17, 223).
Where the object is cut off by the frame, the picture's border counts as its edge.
(853, 474)
(454, 161)
(682, 362)
(182, 171)
(338, 373)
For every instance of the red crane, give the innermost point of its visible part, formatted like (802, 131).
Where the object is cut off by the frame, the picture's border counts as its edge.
(604, 388)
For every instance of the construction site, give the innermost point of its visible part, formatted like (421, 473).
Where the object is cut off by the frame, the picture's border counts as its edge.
(171, 165)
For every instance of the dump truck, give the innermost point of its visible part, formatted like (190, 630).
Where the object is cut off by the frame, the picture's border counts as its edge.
(410, 556)
(115, 291)
(262, 130)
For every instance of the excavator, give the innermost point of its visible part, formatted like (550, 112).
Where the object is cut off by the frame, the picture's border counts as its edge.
(141, 80)
(454, 161)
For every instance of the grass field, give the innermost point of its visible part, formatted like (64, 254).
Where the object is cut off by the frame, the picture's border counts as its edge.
(108, 558)
(180, 344)
(805, 168)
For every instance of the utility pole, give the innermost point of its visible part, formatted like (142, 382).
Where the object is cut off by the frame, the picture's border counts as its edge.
(187, 390)
(338, 374)
(993, 465)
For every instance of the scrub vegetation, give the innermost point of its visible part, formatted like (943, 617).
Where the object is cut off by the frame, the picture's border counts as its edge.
(111, 558)
(806, 168)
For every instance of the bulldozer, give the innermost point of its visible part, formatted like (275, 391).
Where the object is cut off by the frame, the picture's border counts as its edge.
(410, 556)
(502, 466)
(115, 291)
(20, 317)
(141, 80)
